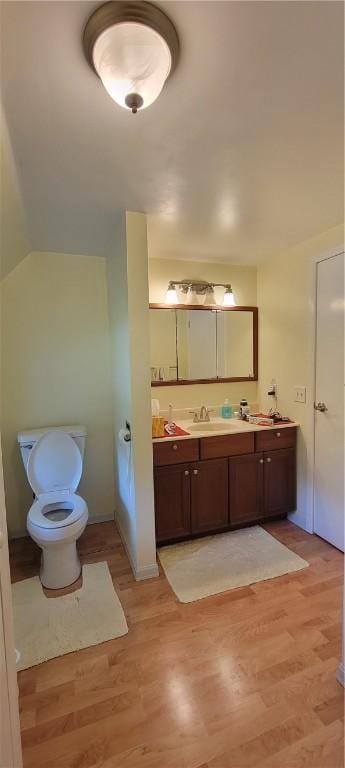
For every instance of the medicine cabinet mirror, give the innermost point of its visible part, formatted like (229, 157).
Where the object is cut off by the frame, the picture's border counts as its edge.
(200, 344)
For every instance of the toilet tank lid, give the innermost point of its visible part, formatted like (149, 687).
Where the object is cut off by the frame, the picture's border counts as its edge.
(32, 435)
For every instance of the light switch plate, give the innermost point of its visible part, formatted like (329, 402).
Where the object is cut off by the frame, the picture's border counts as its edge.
(300, 394)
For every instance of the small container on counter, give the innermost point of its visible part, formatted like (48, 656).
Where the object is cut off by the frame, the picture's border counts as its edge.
(226, 410)
(244, 409)
(157, 426)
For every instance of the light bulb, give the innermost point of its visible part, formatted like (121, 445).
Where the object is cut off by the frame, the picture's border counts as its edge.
(209, 296)
(192, 297)
(132, 60)
(171, 295)
(229, 299)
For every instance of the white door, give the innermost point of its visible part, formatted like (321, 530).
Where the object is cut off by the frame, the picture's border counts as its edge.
(329, 402)
(10, 747)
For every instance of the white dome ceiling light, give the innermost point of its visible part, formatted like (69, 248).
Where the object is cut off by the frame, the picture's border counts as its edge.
(133, 48)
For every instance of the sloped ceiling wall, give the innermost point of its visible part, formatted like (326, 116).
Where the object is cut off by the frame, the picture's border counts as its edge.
(13, 235)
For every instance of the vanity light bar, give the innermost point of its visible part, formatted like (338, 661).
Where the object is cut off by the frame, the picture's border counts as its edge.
(199, 287)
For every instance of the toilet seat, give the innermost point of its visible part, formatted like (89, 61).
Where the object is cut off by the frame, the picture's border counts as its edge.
(54, 471)
(37, 516)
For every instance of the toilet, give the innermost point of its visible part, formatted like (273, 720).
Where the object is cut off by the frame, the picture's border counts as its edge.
(53, 461)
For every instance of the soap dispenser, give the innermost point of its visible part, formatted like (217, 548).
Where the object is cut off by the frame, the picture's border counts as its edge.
(226, 410)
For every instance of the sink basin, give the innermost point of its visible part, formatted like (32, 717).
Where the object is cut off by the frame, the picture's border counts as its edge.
(210, 426)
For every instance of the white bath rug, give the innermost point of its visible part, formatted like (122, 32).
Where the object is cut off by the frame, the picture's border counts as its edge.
(46, 627)
(204, 567)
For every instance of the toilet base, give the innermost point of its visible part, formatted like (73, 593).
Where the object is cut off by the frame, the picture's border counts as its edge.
(60, 566)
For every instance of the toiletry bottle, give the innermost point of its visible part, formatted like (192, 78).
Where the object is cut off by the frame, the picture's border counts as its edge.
(244, 408)
(226, 410)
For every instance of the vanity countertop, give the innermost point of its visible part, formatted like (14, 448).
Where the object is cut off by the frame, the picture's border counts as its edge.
(219, 426)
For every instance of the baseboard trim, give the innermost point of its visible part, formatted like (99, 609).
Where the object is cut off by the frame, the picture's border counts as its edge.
(149, 572)
(140, 574)
(18, 534)
(341, 674)
(125, 545)
(299, 519)
(101, 519)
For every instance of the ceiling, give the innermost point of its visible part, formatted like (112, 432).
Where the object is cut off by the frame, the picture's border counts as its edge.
(241, 155)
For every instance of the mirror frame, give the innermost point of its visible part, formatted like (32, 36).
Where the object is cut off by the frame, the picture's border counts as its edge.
(215, 308)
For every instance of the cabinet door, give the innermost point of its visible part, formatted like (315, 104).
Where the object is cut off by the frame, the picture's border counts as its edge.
(246, 488)
(209, 494)
(172, 502)
(279, 482)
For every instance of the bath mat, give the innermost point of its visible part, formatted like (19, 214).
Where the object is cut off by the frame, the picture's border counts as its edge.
(204, 567)
(46, 627)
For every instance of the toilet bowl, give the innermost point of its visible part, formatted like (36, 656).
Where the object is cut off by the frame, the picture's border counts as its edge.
(58, 516)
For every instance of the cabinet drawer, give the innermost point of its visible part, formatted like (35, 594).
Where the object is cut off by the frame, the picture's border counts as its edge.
(175, 452)
(271, 440)
(226, 445)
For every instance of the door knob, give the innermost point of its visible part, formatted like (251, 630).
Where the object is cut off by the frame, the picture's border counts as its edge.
(261, 461)
(268, 460)
(175, 447)
(320, 407)
(195, 471)
(186, 472)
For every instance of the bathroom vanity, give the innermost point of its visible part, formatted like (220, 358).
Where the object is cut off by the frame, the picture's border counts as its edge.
(217, 479)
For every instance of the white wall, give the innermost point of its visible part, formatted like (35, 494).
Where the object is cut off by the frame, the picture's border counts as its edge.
(13, 235)
(129, 320)
(56, 370)
(244, 284)
(286, 339)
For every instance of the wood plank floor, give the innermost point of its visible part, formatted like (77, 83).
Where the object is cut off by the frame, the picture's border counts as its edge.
(246, 678)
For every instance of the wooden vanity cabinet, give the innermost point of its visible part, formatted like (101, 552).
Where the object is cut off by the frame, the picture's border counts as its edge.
(172, 502)
(279, 482)
(191, 499)
(195, 496)
(209, 495)
(262, 485)
(246, 488)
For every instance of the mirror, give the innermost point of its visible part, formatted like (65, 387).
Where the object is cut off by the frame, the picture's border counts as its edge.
(235, 344)
(200, 344)
(196, 344)
(163, 355)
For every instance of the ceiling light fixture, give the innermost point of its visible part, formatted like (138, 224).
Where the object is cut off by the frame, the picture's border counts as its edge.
(229, 299)
(133, 48)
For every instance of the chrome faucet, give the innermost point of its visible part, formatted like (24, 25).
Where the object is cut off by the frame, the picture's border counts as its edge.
(203, 416)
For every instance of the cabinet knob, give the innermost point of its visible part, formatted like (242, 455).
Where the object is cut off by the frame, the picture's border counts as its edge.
(277, 434)
(261, 461)
(175, 447)
(186, 471)
(268, 460)
(195, 471)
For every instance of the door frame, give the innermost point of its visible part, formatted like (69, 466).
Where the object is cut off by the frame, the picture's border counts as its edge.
(336, 251)
(317, 259)
(7, 619)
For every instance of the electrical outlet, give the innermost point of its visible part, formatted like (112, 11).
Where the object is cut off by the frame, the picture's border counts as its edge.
(300, 395)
